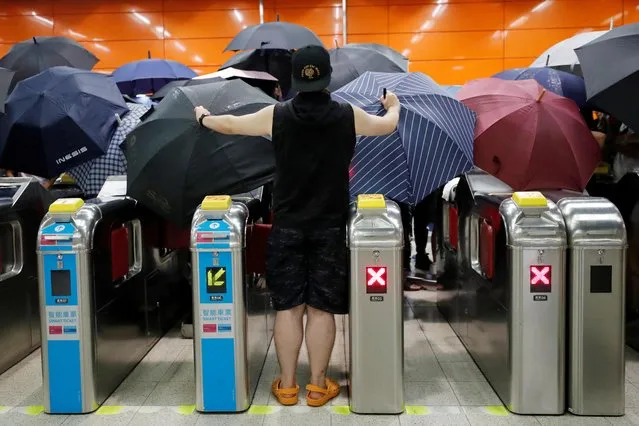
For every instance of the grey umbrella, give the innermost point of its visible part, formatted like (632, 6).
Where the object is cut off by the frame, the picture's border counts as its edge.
(610, 65)
(32, 56)
(166, 89)
(274, 35)
(389, 52)
(349, 63)
(276, 62)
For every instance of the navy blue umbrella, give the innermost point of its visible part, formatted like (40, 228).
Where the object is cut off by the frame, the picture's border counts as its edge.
(433, 142)
(149, 75)
(562, 83)
(59, 119)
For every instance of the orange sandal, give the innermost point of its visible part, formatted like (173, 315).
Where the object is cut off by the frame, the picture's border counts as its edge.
(285, 396)
(329, 392)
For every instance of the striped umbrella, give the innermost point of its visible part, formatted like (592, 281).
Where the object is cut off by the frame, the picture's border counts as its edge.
(433, 142)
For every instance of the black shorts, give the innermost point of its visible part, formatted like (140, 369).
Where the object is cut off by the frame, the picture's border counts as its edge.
(308, 267)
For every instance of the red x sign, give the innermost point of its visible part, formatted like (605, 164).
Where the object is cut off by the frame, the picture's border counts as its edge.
(376, 277)
(540, 278)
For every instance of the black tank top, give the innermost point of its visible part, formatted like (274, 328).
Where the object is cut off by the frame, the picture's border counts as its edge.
(314, 142)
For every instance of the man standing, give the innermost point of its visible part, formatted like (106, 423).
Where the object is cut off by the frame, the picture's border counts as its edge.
(307, 271)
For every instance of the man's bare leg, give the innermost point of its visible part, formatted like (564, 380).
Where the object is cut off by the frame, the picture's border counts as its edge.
(320, 338)
(288, 335)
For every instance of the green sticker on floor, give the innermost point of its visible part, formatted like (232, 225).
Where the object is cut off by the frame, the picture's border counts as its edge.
(416, 410)
(186, 410)
(261, 409)
(497, 410)
(341, 409)
(109, 410)
(34, 410)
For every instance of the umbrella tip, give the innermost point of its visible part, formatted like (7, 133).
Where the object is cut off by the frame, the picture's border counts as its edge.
(541, 95)
(35, 41)
(547, 59)
(336, 45)
(118, 119)
(277, 17)
(148, 52)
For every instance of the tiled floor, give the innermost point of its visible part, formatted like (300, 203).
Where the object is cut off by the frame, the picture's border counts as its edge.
(442, 386)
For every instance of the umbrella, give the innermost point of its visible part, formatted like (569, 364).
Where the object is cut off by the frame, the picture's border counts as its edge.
(6, 76)
(32, 56)
(529, 137)
(91, 175)
(274, 35)
(390, 53)
(560, 82)
(276, 62)
(452, 89)
(166, 89)
(350, 62)
(59, 119)
(433, 142)
(611, 69)
(260, 79)
(562, 55)
(173, 162)
(149, 75)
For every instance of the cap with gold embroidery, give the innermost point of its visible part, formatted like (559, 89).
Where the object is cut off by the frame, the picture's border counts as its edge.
(311, 69)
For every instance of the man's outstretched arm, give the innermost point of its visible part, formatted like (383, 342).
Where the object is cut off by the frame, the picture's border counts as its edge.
(259, 123)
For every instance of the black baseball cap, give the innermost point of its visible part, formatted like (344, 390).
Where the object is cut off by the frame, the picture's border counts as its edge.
(311, 69)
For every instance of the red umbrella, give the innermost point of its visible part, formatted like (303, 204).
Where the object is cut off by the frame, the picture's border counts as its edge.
(528, 137)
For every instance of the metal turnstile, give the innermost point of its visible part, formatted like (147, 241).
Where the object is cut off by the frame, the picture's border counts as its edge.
(511, 303)
(104, 300)
(536, 241)
(23, 202)
(376, 327)
(595, 294)
(231, 338)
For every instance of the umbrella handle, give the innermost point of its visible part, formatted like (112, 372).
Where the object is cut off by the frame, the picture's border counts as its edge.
(384, 93)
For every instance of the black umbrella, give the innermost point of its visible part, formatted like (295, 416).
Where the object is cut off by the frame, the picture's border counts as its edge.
(173, 162)
(349, 63)
(276, 62)
(166, 89)
(610, 65)
(273, 35)
(6, 76)
(32, 56)
(390, 53)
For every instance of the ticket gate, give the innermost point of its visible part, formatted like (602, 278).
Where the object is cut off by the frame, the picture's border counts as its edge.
(105, 300)
(511, 325)
(594, 286)
(375, 345)
(23, 202)
(231, 332)
(595, 296)
(256, 236)
(458, 279)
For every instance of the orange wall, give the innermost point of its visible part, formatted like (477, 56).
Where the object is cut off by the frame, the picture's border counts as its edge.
(453, 41)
